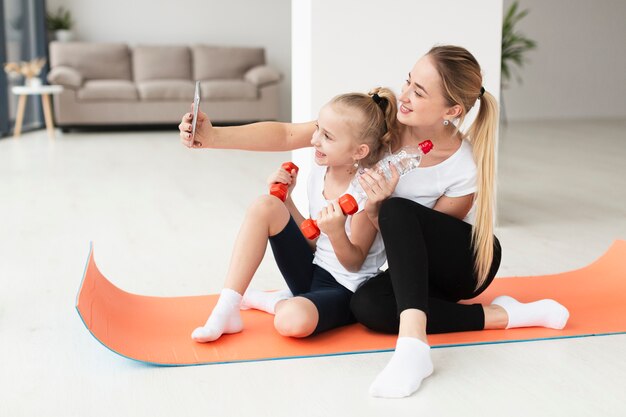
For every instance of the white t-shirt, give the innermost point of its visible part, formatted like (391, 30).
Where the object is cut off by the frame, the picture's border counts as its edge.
(454, 177)
(325, 255)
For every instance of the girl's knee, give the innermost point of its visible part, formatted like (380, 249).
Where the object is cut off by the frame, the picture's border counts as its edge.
(265, 204)
(270, 211)
(294, 320)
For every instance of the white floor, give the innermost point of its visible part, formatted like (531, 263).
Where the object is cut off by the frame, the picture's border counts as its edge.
(163, 219)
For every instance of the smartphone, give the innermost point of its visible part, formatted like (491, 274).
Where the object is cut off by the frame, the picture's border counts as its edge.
(196, 106)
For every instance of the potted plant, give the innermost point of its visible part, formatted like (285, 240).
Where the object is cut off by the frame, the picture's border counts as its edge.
(60, 23)
(515, 46)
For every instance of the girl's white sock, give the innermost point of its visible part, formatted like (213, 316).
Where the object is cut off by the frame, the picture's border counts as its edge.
(224, 318)
(404, 373)
(262, 300)
(543, 313)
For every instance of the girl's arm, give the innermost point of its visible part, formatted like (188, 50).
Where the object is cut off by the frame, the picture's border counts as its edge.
(293, 210)
(263, 136)
(351, 252)
(298, 218)
(290, 178)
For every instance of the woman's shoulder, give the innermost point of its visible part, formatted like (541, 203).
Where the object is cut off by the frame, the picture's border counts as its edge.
(461, 158)
(464, 155)
(459, 167)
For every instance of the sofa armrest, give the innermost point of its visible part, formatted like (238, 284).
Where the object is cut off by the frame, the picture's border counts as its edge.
(65, 76)
(262, 75)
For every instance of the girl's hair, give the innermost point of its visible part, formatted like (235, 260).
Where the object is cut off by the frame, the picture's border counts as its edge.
(462, 84)
(377, 125)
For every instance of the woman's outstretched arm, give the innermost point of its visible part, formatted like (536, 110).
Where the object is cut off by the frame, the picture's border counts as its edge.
(262, 136)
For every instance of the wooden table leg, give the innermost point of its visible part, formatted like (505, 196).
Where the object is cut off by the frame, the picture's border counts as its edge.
(19, 118)
(47, 112)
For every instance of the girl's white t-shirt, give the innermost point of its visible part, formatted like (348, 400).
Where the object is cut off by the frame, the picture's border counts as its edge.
(325, 255)
(454, 177)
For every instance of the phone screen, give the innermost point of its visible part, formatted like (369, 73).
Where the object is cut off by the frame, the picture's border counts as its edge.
(196, 105)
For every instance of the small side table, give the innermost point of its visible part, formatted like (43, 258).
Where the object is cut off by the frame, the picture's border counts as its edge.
(42, 90)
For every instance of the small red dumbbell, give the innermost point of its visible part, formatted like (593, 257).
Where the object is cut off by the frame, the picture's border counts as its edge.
(278, 189)
(348, 206)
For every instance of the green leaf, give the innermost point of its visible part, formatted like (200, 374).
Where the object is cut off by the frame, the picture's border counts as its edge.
(515, 45)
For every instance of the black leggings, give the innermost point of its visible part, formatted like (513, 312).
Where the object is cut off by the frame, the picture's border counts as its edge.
(431, 267)
(294, 258)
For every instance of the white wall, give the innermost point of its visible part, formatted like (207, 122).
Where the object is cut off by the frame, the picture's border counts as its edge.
(579, 67)
(354, 45)
(232, 23)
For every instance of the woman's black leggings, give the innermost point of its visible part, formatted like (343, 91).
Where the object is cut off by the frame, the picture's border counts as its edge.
(431, 268)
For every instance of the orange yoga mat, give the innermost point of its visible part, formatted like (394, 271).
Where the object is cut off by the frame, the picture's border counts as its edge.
(157, 330)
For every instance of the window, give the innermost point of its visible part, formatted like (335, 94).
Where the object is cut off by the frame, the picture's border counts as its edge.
(22, 37)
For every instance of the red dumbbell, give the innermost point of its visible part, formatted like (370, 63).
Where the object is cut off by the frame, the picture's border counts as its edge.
(278, 189)
(348, 206)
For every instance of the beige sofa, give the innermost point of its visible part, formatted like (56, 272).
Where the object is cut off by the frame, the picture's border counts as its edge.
(114, 84)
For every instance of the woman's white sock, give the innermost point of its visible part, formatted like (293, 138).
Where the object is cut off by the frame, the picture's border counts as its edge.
(543, 313)
(262, 300)
(224, 319)
(404, 373)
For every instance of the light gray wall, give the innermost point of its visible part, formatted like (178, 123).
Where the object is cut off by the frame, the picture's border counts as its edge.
(264, 23)
(579, 67)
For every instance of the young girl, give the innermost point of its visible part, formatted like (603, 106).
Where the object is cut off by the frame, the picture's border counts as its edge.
(352, 130)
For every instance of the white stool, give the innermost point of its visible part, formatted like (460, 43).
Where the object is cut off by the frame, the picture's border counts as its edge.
(44, 91)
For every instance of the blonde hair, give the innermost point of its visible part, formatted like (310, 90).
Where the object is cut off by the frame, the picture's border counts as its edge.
(462, 84)
(377, 127)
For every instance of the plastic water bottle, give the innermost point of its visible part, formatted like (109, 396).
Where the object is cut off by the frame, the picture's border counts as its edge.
(405, 160)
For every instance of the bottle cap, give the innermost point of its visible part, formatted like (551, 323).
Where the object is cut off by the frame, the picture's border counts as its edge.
(426, 146)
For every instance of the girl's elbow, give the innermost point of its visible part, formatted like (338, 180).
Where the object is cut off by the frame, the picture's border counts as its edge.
(355, 267)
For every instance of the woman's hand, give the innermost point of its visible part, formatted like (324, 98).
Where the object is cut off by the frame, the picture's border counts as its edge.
(284, 177)
(378, 188)
(204, 131)
(332, 220)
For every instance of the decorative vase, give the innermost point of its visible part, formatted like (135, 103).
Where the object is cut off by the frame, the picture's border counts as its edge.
(33, 82)
(64, 35)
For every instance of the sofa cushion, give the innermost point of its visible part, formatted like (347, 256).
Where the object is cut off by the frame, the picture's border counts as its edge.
(213, 62)
(166, 90)
(94, 61)
(228, 90)
(65, 76)
(161, 63)
(108, 90)
(262, 75)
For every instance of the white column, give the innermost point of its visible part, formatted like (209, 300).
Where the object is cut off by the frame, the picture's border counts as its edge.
(355, 45)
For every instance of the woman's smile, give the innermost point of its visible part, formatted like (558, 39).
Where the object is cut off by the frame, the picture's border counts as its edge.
(404, 109)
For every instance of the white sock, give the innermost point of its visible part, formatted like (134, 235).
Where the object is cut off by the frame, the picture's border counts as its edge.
(224, 318)
(404, 373)
(262, 300)
(543, 313)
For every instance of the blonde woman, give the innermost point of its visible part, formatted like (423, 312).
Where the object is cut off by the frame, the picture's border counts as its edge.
(436, 222)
